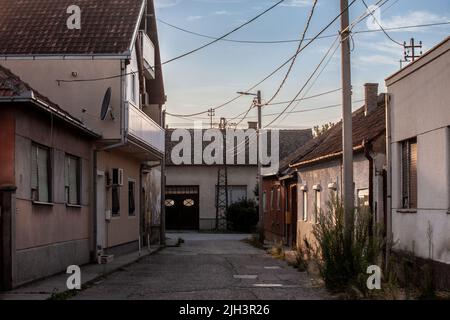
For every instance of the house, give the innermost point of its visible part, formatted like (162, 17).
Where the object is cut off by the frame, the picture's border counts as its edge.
(195, 190)
(419, 148)
(45, 183)
(107, 74)
(313, 173)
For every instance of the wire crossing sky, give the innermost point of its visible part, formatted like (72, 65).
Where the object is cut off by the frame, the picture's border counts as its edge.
(213, 75)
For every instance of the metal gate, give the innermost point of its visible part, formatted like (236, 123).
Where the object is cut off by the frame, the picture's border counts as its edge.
(182, 208)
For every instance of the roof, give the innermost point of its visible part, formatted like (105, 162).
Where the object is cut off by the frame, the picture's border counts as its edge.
(437, 50)
(39, 27)
(366, 128)
(290, 140)
(12, 88)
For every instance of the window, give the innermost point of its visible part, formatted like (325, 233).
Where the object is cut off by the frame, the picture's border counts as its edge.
(409, 174)
(131, 198)
(40, 174)
(72, 180)
(305, 206)
(235, 193)
(188, 203)
(279, 198)
(133, 87)
(363, 198)
(169, 203)
(264, 201)
(316, 205)
(115, 194)
(271, 199)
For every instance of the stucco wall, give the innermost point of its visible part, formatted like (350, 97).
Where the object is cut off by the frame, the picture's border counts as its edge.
(74, 97)
(50, 237)
(323, 174)
(420, 108)
(206, 178)
(123, 228)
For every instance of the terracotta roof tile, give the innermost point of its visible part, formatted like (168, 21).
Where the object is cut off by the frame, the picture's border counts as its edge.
(39, 26)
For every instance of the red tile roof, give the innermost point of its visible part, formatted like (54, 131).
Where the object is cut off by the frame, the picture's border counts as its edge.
(365, 128)
(39, 26)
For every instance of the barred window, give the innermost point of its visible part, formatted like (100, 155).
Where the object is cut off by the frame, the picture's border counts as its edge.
(409, 174)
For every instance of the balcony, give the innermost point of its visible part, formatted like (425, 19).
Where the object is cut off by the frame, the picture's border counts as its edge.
(148, 52)
(144, 130)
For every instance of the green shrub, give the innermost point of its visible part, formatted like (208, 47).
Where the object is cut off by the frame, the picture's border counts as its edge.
(242, 216)
(343, 264)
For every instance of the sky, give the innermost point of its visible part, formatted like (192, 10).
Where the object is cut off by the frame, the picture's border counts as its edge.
(213, 75)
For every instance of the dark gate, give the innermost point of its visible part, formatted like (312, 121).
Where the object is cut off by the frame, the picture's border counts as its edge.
(182, 208)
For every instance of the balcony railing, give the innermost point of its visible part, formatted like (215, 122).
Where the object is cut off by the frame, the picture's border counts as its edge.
(148, 52)
(144, 129)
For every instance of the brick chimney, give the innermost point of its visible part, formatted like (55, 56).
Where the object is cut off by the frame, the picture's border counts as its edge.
(371, 97)
(253, 125)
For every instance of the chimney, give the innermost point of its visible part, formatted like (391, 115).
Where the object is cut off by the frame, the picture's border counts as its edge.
(253, 125)
(371, 97)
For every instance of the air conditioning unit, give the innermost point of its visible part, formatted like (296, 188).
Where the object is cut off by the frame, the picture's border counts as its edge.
(117, 177)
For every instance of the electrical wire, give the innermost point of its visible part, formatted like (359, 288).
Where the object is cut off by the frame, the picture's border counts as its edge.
(189, 52)
(381, 27)
(283, 82)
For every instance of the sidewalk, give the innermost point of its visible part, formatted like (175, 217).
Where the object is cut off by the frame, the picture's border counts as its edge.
(90, 273)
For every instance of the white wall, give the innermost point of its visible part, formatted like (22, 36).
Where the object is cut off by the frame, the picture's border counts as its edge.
(206, 178)
(420, 107)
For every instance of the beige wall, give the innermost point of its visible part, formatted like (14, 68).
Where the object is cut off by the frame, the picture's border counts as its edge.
(420, 108)
(121, 229)
(206, 178)
(74, 97)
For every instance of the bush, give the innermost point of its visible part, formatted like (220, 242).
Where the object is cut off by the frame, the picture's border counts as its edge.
(242, 216)
(343, 264)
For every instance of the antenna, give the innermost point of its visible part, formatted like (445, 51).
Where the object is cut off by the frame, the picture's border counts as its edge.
(105, 104)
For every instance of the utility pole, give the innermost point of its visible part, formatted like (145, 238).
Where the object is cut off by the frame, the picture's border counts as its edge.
(410, 51)
(211, 114)
(258, 101)
(347, 140)
(260, 184)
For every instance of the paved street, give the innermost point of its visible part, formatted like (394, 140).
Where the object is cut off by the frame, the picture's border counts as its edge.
(206, 266)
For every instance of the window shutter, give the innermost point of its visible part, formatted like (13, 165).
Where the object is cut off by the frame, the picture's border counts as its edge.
(73, 181)
(413, 174)
(34, 169)
(405, 174)
(43, 176)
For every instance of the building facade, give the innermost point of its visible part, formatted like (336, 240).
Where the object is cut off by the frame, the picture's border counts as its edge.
(109, 76)
(45, 185)
(419, 121)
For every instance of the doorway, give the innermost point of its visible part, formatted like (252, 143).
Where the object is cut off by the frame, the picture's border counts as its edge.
(294, 213)
(182, 208)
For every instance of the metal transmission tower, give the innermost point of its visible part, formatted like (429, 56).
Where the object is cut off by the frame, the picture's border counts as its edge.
(211, 114)
(410, 50)
(222, 187)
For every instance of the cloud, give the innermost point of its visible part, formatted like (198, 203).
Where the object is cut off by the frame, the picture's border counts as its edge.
(194, 18)
(375, 60)
(166, 3)
(412, 18)
(297, 3)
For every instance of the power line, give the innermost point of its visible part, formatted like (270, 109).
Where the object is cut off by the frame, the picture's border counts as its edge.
(381, 27)
(283, 82)
(278, 68)
(192, 51)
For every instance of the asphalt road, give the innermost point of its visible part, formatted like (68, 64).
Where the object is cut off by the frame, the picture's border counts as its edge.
(206, 267)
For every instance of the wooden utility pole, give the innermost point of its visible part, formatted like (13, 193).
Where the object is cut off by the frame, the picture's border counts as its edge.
(410, 51)
(347, 140)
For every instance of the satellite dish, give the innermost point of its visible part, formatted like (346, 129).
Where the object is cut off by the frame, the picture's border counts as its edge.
(105, 104)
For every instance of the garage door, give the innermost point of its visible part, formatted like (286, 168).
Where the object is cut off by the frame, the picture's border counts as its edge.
(182, 208)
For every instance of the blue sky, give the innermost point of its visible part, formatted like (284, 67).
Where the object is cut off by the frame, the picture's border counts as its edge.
(213, 75)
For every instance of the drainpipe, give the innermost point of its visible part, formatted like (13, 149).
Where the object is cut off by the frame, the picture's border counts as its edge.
(388, 204)
(94, 206)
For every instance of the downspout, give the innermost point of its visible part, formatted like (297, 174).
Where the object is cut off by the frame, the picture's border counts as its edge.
(94, 205)
(388, 204)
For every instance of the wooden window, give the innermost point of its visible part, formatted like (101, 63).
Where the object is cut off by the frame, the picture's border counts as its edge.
(264, 201)
(305, 206)
(131, 198)
(41, 177)
(409, 174)
(317, 196)
(72, 178)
